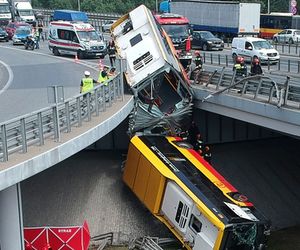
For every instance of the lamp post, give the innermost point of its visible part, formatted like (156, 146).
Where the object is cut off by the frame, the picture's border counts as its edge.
(268, 6)
(156, 6)
(78, 5)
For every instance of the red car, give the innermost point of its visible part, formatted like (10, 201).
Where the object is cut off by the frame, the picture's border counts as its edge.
(12, 26)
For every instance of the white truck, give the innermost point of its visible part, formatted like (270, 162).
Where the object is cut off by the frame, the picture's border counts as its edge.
(5, 15)
(223, 18)
(22, 11)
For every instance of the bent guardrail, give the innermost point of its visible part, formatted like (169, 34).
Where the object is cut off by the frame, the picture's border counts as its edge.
(259, 87)
(18, 134)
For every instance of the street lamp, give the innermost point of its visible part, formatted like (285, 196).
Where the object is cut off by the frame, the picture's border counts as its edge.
(78, 5)
(156, 6)
(268, 6)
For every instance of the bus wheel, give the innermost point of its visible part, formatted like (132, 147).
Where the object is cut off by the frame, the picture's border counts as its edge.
(55, 51)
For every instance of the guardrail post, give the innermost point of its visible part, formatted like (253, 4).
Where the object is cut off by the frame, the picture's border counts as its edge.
(204, 58)
(226, 60)
(4, 143)
(219, 59)
(23, 135)
(88, 105)
(211, 59)
(282, 48)
(289, 65)
(298, 67)
(289, 48)
(279, 64)
(97, 101)
(286, 88)
(268, 64)
(257, 89)
(68, 119)
(220, 79)
(40, 126)
(297, 47)
(78, 107)
(121, 78)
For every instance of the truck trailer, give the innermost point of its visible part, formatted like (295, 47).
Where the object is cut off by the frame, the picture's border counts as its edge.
(196, 203)
(223, 18)
(22, 11)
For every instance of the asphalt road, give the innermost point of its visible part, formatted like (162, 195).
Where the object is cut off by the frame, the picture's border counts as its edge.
(26, 75)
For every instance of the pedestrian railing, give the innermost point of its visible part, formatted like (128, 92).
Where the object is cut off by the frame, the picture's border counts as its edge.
(283, 65)
(18, 134)
(258, 87)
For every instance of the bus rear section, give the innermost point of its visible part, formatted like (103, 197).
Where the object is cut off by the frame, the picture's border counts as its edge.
(192, 199)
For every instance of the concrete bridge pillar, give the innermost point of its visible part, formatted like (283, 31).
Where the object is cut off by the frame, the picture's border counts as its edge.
(11, 219)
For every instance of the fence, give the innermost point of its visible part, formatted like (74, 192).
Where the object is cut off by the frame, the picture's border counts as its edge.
(18, 134)
(96, 19)
(283, 65)
(259, 87)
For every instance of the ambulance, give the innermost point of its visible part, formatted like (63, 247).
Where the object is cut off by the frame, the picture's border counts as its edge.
(75, 38)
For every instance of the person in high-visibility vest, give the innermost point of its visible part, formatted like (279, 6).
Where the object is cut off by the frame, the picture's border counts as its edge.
(87, 83)
(103, 76)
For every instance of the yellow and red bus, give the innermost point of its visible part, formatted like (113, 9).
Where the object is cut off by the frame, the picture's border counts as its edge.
(273, 23)
(196, 203)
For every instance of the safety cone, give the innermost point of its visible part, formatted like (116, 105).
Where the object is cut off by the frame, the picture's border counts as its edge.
(76, 59)
(100, 64)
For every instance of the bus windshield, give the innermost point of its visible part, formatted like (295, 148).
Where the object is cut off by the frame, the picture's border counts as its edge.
(262, 45)
(244, 237)
(88, 35)
(176, 30)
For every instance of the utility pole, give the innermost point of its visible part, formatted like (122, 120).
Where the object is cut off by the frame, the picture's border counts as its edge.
(268, 6)
(78, 5)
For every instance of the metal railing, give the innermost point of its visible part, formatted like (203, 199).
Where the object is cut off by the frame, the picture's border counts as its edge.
(259, 87)
(283, 65)
(18, 134)
(96, 19)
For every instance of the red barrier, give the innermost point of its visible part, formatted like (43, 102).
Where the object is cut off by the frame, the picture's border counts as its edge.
(57, 238)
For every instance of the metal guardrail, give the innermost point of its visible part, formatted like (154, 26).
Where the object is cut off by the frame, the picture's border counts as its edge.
(259, 87)
(291, 65)
(18, 134)
(96, 19)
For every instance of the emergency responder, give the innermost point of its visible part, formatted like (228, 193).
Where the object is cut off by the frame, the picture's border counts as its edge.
(87, 83)
(207, 154)
(193, 134)
(111, 48)
(198, 59)
(36, 35)
(255, 67)
(112, 72)
(240, 66)
(103, 76)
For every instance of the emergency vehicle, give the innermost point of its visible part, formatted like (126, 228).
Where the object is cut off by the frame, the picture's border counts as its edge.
(75, 38)
(197, 204)
(178, 29)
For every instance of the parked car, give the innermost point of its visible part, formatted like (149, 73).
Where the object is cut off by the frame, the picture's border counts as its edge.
(3, 35)
(205, 40)
(106, 25)
(253, 47)
(11, 28)
(20, 35)
(287, 36)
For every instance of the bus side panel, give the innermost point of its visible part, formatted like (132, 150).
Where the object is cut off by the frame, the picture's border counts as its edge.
(142, 178)
(155, 190)
(131, 165)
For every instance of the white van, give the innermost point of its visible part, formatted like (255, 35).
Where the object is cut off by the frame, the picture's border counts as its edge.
(75, 38)
(253, 47)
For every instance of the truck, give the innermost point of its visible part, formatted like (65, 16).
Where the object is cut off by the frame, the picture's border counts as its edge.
(226, 19)
(5, 15)
(22, 11)
(69, 15)
(178, 29)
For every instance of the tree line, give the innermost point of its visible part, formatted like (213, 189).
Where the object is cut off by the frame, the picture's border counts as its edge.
(124, 6)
